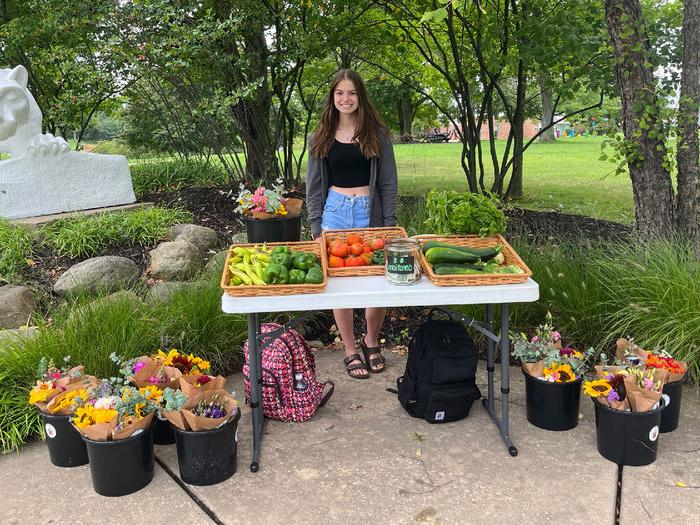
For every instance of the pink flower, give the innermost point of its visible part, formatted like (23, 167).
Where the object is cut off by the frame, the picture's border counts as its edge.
(648, 383)
(534, 339)
(556, 336)
(138, 366)
(566, 351)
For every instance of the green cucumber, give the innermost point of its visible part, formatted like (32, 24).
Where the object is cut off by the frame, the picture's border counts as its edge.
(448, 255)
(455, 269)
(451, 266)
(485, 254)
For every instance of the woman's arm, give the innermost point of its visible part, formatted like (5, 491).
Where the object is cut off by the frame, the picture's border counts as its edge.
(387, 180)
(314, 194)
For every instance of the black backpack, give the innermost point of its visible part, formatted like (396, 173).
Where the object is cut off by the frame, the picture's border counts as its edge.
(439, 383)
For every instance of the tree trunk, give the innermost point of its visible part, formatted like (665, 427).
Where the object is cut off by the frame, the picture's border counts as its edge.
(547, 108)
(642, 125)
(688, 199)
(405, 115)
(515, 186)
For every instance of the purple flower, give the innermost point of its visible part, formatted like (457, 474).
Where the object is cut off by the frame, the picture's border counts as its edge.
(215, 412)
(613, 396)
(566, 351)
(138, 366)
(648, 383)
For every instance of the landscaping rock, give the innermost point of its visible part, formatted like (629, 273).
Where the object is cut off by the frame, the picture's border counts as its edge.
(8, 336)
(163, 291)
(202, 237)
(239, 238)
(216, 263)
(175, 260)
(17, 304)
(110, 273)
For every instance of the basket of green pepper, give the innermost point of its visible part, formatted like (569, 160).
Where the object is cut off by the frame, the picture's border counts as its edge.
(274, 269)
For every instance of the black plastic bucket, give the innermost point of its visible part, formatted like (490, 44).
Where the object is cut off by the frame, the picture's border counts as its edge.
(552, 406)
(627, 438)
(162, 432)
(207, 457)
(672, 412)
(66, 447)
(121, 467)
(282, 229)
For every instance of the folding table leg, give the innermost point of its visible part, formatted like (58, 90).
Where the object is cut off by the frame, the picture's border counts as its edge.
(505, 380)
(255, 362)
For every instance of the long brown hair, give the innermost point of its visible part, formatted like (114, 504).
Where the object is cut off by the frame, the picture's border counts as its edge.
(369, 123)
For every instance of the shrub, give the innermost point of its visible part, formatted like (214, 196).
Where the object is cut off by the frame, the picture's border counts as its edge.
(157, 174)
(15, 249)
(89, 235)
(450, 212)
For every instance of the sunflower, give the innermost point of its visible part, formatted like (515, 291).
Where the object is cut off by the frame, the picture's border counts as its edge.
(598, 387)
(559, 373)
(89, 415)
(42, 391)
(152, 393)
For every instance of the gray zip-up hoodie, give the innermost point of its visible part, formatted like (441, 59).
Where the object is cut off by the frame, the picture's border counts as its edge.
(383, 187)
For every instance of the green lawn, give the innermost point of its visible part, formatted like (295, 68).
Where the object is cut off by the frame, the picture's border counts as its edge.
(565, 176)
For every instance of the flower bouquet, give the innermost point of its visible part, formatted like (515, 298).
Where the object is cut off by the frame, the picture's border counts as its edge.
(609, 389)
(531, 352)
(205, 426)
(52, 382)
(194, 383)
(267, 203)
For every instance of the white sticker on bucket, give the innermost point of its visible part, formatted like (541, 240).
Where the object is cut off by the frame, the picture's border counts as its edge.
(137, 432)
(666, 398)
(654, 433)
(50, 430)
(236, 437)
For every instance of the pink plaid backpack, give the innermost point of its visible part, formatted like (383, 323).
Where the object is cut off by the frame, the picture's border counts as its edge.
(290, 391)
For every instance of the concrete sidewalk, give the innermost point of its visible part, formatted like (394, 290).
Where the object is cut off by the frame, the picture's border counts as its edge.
(363, 459)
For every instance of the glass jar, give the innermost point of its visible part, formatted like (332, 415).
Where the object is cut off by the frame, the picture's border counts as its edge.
(402, 263)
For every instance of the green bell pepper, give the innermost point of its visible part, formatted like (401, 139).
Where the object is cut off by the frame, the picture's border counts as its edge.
(314, 276)
(276, 274)
(304, 261)
(296, 276)
(280, 249)
(285, 259)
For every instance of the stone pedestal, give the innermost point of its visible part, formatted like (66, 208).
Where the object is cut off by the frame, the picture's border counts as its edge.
(70, 181)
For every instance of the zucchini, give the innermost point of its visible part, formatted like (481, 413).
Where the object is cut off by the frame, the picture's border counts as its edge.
(452, 266)
(485, 254)
(449, 255)
(455, 269)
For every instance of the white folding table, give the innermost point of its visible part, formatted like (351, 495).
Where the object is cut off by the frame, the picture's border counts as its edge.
(363, 292)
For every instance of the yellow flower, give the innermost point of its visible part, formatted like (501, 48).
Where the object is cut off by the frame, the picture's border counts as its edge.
(138, 410)
(559, 373)
(89, 415)
(41, 392)
(167, 359)
(69, 398)
(598, 387)
(281, 210)
(152, 393)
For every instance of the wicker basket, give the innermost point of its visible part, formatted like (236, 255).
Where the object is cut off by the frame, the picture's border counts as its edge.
(276, 289)
(367, 234)
(474, 241)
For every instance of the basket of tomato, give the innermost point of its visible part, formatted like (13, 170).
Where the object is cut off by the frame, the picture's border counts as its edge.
(358, 252)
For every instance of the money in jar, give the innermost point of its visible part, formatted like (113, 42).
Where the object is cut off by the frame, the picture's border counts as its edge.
(402, 264)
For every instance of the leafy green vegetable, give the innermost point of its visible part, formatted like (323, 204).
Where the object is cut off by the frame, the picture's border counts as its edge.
(450, 212)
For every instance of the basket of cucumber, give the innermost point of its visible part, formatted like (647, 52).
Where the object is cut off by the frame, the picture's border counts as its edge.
(471, 261)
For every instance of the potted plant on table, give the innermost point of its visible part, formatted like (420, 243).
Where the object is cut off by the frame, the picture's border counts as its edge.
(269, 214)
(553, 377)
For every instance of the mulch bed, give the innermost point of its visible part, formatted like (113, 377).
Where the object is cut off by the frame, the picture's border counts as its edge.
(213, 209)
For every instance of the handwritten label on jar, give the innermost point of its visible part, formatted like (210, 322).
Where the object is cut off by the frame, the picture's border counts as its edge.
(400, 264)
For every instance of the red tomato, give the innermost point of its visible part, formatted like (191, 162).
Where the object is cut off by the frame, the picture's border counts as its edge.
(367, 249)
(354, 261)
(336, 262)
(356, 248)
(377, 244)
(338, 248)
(353, 238)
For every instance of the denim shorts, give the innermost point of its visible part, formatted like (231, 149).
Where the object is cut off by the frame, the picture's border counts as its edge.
(343, 211)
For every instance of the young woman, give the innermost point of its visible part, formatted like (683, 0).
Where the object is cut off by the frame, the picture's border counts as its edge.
(351, 182)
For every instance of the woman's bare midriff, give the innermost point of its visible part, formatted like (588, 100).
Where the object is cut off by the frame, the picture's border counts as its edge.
(352, 192)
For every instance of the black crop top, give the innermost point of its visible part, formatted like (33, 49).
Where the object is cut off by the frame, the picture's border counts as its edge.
(348, 168)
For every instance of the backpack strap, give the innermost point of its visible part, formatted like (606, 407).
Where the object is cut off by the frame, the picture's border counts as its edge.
(328, 394)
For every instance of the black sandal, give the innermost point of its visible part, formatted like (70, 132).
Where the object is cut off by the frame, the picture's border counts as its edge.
(373, 362)
(349, 368)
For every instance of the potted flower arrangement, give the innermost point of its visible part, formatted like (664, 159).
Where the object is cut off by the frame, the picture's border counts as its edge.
(269, 215)
(205, 425)
(115, 423)
(553, 377)
(628, 406)
(57, 394)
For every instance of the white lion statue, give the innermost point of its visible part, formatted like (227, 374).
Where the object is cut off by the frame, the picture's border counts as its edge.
(20, 119)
